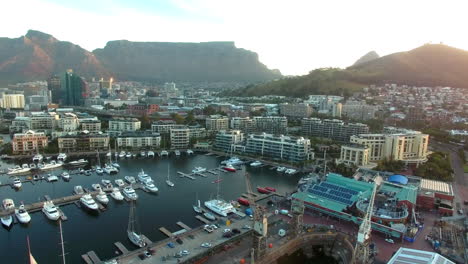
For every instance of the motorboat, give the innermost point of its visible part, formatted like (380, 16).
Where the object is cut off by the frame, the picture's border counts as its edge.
(17, 183)
(107, 184)
(232, 161)
(243, 201)
(87, 172)
(198, 170)
(290, 171)
(280, 169)
(142, 176)
(164, 153)
(229, 168)
(189, 152)
(150, 186)
(115, 165)
(96, 186)
(65, 175)
(8, 204)
(32, 166)
(197, 207)
(177, 153)
(36, 177)
(220, 207)
(128, 155)
(271, 189)
(209, 216)
(37, 158)
(18, 170)
(109, 169)
(168, 181)
(52, 165)
(130, 193)
(263, 190)
(119, 182)
(7, 220)
(143, 154)
(122, 154)
(109, 154)
(81, 171)
(150, 154)
(52, 178)
(99, 170)
(130, 179)
(78, 190)
(78, 162)
(62, 157)
(22, 215)
(50, 210)
(256, 164)
(116, 194)
(89, 202)
(102, 197)
(134, 155)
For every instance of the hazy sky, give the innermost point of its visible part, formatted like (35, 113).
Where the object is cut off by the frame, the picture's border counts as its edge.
(294, 36)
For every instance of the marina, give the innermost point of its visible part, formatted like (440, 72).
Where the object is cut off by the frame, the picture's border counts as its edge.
(175, 203)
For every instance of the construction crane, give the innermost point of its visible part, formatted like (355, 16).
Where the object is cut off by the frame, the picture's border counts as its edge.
(260, 223)
(361, 250)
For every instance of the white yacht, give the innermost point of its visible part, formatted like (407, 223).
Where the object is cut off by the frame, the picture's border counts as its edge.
(22, 215)
(142, 176)
(52, 178)
(143, 154)
(132, 233)
(78, 162)
(130, 193)
(62, 157)
(52, 165)
(65, 175)
(150, 154)
(232, 161)
(102, 197)
(198, 170)
(32, 166)
(256, 164)
(128, 155)
(96, 187)
(17, 183)
(150, 186)
(8, 204)
(177, 153)
(122, 154)
(220, 207)
(119, 182)
(50, 210)
(78, 189)
(18, 170)
(116, 194)
(130, 179)
(89, 202)
(109, 169)
(38, 158)
(189, 152)
(164, 153)
(209, 216)
(107, 184)
(7, 220)
(290, 171)
(280, 169)
(116, 165)
(99, 170)
(168, 181)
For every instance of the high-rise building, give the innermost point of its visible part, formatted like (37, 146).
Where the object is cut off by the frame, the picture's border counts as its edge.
(29, 142)
(217, 123)
(271, 124)
(74, 89)
(296, 110)
(12, 101)
(226, 139)
(245, 124)
(55, 88)
(332, 129)
(105, 87)
(359, 110)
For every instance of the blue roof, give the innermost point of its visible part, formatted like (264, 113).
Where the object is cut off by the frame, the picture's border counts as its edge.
(400, 179)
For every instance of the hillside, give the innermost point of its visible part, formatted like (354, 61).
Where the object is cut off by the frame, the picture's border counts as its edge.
(428, 65)
(38, 55)
(372, 55)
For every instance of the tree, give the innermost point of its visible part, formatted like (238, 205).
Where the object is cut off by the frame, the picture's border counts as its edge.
(52, 147)
(190, 118)
(145, 122)
(390, 165)
(209, 110)
(437, 167)
(178, 118)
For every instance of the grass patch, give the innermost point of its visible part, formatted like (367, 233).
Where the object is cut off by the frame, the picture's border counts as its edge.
(465, 168)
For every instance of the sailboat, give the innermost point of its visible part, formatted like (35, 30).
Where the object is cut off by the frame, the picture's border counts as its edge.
(197, 207)
(168, 181)
(115, 164)
(220, 206)
(98, 167)
(30, 256)
(132, 234)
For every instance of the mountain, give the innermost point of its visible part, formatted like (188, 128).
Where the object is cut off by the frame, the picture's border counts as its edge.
(38, 55)
(212, 61)
(428, 65)
(371, 55)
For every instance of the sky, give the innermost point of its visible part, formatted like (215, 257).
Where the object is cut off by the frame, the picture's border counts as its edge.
(294, 36)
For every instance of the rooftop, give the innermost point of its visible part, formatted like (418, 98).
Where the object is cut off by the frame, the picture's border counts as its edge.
(414, 256)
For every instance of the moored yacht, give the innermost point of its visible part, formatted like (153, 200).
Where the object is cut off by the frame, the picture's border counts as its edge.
(102, 197)
(7, 220)
(8, 204)
(32, 166)
(96, 186)
(22, 215)
(78, 189)
(119, 182)
(89, 202)
(99, 170)
(65, 175)
(142, 176)
(130, 193)
(62, 157)
(177, 153)
(150, 154)
(122, 154)
(50, 210)
(256, 164)
(198, 170)
(18, 170)
(150, 186)
(128, 155)
(143, 154)
(52, 178)
(52, 165)
(280, 169)
(107, 184)
(17, 183)
(189, 152)
(116, 194)
(197, 208)
(220, 207)
(290, 171)
(78, 162)
(229, 168)
(164, 153)
(209, 216)
(37, 158)
(233, 161)
(130, 179)
(110, 169)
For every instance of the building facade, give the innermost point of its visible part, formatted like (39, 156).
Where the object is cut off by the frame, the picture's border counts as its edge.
(271, 124)
(90, 125)
(225, 140)
(83, 142)
(119, 125)
(245, 124)
(359, 110)
(282, 148)
(180, 138)
(55, 88)
(217, 123)
(74, 89)
(354, 154)
(296, 110)
(29, 142)
(142, 109)
(140, 140)
(332, 128)
(13, 101)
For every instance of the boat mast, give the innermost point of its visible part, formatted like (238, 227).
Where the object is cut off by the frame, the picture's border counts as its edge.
(131, 218)
(61, 241)
(98, 158)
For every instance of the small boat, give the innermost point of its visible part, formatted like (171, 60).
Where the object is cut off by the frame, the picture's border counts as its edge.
(130, 179)
(216, 181)
(280, 169)
(134, 155)
(150, 186)
(65, 175)
(142, 176)
(128, 155)
(78, 190)
(7, 220)
(122, 154)
(52, 178)
(235, 204)
(62, 157)
(18, 170)
(243, 201)
(263, 190)
(116, 194)
(232, 161)
(22, 215)
(197, 207)
(81, 171)
(99, 170)
(119, 182)
(89, 202)
(78, 162)
(38, 158)
(177, 153)
(143, 154)
(36, 177)
(256, 164)
(130, 193)
(168, 181)
(189, 152)
(209, 216)
(32, 166)
(150, 154)
(115, 165)
(229, 168)
(8, 204)
(290, 171)
(17, 183)
(50, 210)
(96, 186)
(109, 154)
(87, 172)
(102, 197)
(107, 184)
(270, 189)
(198, 170)
(164, 153)
(52, 165)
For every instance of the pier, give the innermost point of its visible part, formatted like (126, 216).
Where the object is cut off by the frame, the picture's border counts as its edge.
(202, 219)
(92, 255)
(121, 247)
(166, 232)
(184, 226)
(181, 174)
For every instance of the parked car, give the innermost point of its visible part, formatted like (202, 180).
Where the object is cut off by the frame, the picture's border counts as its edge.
(178, 240)
(206, 245)
(208, 228)
(227, 234)
(389, 241)
(171, 245)
(236, 231)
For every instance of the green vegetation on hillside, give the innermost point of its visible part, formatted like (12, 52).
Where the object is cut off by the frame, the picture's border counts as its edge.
(437, 167)
(390, 165)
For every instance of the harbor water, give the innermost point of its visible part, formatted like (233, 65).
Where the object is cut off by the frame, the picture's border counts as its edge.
(85, 231)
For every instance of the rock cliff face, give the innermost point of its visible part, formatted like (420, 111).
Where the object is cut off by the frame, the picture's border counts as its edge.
(38, 55)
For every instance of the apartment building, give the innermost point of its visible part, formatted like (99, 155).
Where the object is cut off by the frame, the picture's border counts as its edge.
(296, 110)
(332, 128)
(119, 125)
(359, 110)
(217, 123)
(271, 124)
(354, 154)
(29, 142)
(68, 122)
(12, 101)
(91, 125)
(245, 124)
(283, 148)
(164, 126)
(83, 142)
(225, 140)
(139, 140)
(142, 109)
(180, 138)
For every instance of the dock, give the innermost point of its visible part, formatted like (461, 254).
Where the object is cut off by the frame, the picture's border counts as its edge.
(184, 226)
(181, 174)
(121, 247)
(202, 219)
(179, 232)
(166, 232)
(92, 255)
(87, 259)
(147, 240)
